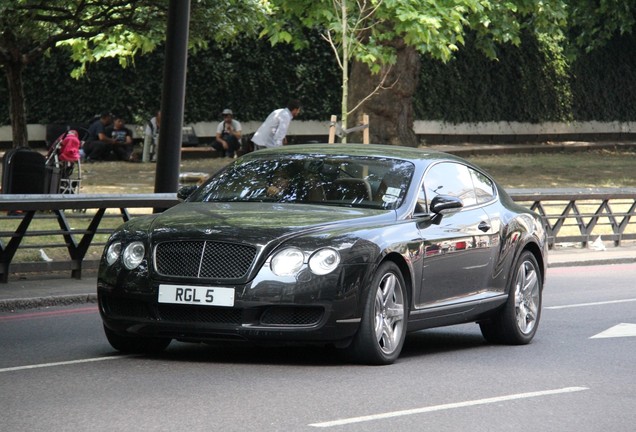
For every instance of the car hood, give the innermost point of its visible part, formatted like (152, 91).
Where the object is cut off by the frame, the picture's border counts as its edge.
(257, 223)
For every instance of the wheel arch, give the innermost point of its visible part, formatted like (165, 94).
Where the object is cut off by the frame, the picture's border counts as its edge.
(535, 250)
(407, 275)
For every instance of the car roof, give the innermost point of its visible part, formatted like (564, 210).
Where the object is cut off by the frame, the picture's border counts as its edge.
(371, 150)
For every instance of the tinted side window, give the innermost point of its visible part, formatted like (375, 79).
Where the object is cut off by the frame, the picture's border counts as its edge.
(484, 187)
(450, 178)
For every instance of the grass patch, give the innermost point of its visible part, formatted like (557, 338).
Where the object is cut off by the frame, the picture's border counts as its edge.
(594, 168)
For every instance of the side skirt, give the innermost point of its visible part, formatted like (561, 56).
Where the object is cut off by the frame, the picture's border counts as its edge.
(456, 313)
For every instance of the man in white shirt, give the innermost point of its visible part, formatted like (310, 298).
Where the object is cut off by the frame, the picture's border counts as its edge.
(274, 129)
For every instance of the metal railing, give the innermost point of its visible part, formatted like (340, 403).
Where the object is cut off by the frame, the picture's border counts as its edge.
(583, 215)
(93, 209)
(570, 215)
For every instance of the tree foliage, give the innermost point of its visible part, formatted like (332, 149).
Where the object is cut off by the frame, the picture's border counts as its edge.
(98, 29)
(435, 28)
(594, 22)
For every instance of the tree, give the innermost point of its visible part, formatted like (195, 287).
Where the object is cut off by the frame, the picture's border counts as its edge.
(389, 36)
(347, 28)
(96, 29)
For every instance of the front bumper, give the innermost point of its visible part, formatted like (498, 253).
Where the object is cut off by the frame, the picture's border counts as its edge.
(318, 310)
(298, 323)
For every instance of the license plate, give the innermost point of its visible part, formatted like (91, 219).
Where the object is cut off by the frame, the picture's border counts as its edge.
(196, 295)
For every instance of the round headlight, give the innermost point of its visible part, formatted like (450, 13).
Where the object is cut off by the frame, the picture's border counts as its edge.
(133, 254)
(287, 262)
(324, 261)
(113, 252)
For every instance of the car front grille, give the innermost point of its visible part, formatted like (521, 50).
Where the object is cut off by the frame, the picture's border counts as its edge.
(204, 259)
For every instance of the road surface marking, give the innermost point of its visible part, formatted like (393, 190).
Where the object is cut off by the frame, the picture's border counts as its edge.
(447, 407)
(620, 330)
(46, 314)
(64, 363)
(591, 304)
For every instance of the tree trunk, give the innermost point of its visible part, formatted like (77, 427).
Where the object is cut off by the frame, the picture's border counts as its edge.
(17, 112)
(391, 109)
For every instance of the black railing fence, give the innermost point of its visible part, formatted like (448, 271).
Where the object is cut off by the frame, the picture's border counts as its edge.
(93, 217)
(80, 224)
(583, 215)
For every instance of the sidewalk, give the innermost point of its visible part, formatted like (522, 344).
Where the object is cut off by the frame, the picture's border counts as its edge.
(37, 291)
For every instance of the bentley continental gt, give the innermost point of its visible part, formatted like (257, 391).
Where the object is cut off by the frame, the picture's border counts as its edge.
(346, 245)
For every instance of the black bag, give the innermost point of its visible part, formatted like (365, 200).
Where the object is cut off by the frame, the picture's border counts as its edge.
(189, 137)
(23, 171)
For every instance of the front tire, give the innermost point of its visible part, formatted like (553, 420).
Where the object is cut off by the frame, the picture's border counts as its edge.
(380, 338)
(517, 322)
(136, 344)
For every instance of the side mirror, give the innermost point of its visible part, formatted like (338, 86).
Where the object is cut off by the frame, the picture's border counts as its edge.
(443, 203)
(184, 192)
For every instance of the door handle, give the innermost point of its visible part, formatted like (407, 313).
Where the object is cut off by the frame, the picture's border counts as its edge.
(484, 226)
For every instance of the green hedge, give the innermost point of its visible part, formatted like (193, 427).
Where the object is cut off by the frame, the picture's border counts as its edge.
(604, 82)
(526, 84)
(531, 84)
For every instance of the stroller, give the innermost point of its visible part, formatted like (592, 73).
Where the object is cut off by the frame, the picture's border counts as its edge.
(64, 171)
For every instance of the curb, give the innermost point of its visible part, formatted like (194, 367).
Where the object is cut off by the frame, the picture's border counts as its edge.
(593, 262)
(10, 305)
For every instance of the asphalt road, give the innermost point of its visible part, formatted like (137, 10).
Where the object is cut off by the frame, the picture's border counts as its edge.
(58, 373)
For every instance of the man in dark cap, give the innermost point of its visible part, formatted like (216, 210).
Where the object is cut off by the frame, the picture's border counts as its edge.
(228, 135)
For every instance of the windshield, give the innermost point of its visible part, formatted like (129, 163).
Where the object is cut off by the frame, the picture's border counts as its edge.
(332, 180)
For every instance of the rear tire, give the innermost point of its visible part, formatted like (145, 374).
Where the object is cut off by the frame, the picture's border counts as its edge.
(136, 344)
(517, 322)
(380, 338)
